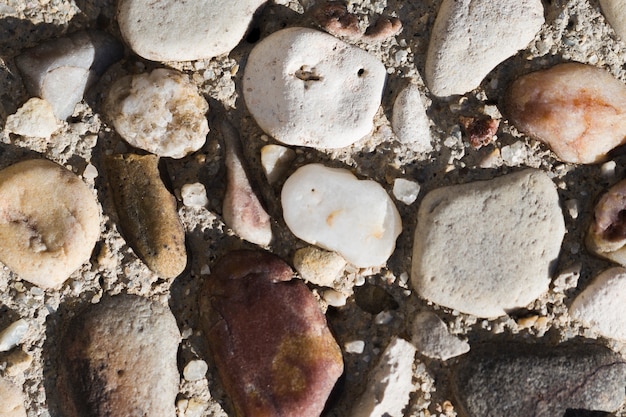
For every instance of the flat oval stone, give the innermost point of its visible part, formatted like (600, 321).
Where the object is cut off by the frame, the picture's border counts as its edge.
(471, 37)
(270, 342)
(165, 30)
(601, 305)
(487, 247)
(147, 213)
(160, 112)
(118, 358)
(307, 88)
(578, 110)
(331, 208)
(49, 221)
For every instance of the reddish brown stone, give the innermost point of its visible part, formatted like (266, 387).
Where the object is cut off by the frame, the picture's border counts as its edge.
(270, 342)
(480, 131)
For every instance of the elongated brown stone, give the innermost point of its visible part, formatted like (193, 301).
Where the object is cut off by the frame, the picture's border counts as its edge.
(270, 342)
(147, 213)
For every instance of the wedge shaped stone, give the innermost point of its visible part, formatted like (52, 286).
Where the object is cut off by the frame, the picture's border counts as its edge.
(270, 342)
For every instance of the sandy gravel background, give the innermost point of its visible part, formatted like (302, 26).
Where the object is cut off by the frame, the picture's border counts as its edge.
(574, 31)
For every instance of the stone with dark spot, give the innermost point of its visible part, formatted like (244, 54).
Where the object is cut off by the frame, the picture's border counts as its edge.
(522, 380)
(118, 358)
(270, 342)
(147, 213)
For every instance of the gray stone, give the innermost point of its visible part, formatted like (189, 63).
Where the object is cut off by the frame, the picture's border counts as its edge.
(486, 247)
(432, 338)
(409, 120)
(13, 334)
(118, 358)
(61, 70)
(471, 37)
(520, 380)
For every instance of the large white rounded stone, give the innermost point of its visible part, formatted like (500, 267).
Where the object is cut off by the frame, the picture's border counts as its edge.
(308, 88)
(331, 208)
(175, 30)
(601, 305)
(487, 247)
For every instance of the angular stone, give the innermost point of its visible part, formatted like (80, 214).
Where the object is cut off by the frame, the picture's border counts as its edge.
(606, 236)
(160, 112)
(487, 247)
(541, 381)
(331, 208)
(13, 334)
(409, 120)
(242, 209)
(35, 118)
(49, 221)
(61, 70)
(390, 383)
(307, 88)
(601, 305)
(275, 160)
(194, 195)
(318, 266)
(270, 342)
(165, 30)
(432, 338)
(615, 13)
(11, 400)
(471, 37)
(118, 358)
(576, 109)
(147, 213)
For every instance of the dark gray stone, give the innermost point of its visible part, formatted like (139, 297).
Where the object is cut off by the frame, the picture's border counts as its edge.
(521, 380)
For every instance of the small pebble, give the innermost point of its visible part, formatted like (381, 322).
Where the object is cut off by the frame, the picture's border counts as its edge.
(194, 195)
(389, 384)
(49, 222)
(12, 400)
(480, 131)
(576, 109)
(601, 305)
(147, 213)
(35, 119)
(572, 208)
(275, 160)
(318, 266)
(307, 88)
(160, 112)
(90, 172)
(270, 342)
(194, 408)
(608, 169)
(195, 370)
(18, 362)
(242, 209)
(405, 191)
(568, 278)
(409, 120)
(382, 318)
(432, 338)
(457, 63)
(95, 357)
(184, 31)
(355, 346)
(12, 335)
(606, 236)
(331, 208)
(334, 298)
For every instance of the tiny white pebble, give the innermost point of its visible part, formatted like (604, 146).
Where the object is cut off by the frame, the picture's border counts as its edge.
(334, 298)
(355, 346)
(405, 191)
(608, 169)
(194, 195)
(205, 270)
(404, 277)
(195, 370)
(90, 172)
(12, 335)
(572, 208)
(384, 317)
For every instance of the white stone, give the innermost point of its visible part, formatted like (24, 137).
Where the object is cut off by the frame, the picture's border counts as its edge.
(355, 346)
(275, 160)
(61, 70)
(487, 247)
(432, 338)
(241, 208)
(318, 266)
(334, 298)
(12, 400)
(601, 305)
(90, 172)
(194, 195)
(471, 37)
(160, 112)
(389, 383)
(409, 120)
(405, 190)
(307, 88)
(35, 119)
(331, 208)
(172, 30)
(12, 335)
(195, 370)
(615, 13)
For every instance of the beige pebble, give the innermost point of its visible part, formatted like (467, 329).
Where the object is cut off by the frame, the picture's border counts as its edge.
(11, 400)
(35, 118)
(318, 266)
(18, 361)
(275, 160)
(606, 236)
(49, 222)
